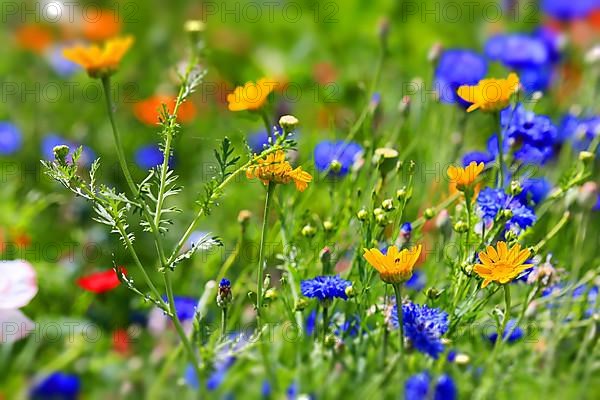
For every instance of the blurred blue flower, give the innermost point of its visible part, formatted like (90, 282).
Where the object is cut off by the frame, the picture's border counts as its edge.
(417, 388)
(52, 140)
(349, 327)
(59, 63)
(516, 50)
(536, 79)
(10, 138)
(258, 141)
(417, 281)
(511, 333)
(478, 157)
(311, 323)
(58, 385)
(292, 391)
(535, 190)
(567, 10)
(579, 130)
(265, 390)
(423, 326)
(184, 306)
(325, 287)
(457, 67)
(150, 156)
(345, 153)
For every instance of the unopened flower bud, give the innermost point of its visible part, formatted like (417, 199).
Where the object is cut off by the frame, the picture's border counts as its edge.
(429, 213)
(462, 359)
(588, 195)
(335, 166)
(515, 188)
(288, 123)
(224, 296)
(309, 231)
(442, 219)
(385, 159)
(506, 213)
(404, 105)
(328, 225)
(586, 156)
(362, 214)
(460, 226)
(432, 293)
(434, 52)
(271, 294)
(244, 216)
(60, 153)
(387, 204)
(194, 26)
(378, 211)
(350, 292)
(381, 219)
(301, 304)
(267, 281)
(401, 194)
(325, 255)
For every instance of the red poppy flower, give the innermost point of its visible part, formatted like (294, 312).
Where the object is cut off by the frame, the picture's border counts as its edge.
(148, 111)
(120, 341)
(100, 282)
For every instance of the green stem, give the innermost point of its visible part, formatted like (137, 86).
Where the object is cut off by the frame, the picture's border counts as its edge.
(500, 182)
(223, 323)
(117, 136)
(398, 293)
(325, 324)
(265, 119)
(261, 255)
(179, 328)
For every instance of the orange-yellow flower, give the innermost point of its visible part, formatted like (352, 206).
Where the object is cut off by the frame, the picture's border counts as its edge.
(490, 94)
(99, 61)
(395, 266)
(105, 26)
(500, 264)
(251, 96)
(148, 110)
(464, 177)
(33, 37)
(274, 168)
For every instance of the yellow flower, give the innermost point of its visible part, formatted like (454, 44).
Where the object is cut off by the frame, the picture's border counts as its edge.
(99, 61)
(274, 168)
(501, 265)
(395, 266)
(490, 94)
(251, 96)
(463, 177)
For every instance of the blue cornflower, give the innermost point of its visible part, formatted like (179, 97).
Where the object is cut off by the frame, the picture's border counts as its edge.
(292, 391)
(150, 156)
(184, 306)
(52, 140)
(457, 67)
(311, 323)
(423, 326)
(490, 155)
(417, 387)
(349, 327)
(567, 10)
(580, 131)
(325, 287)
(516, 50)
(336, 157)
(535, 190)
(265, 390)
(491, 201)
(58, 385)
(10, 138)
(536, 79)
(511, 333)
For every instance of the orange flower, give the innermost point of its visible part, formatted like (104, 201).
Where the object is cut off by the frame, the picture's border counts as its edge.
(395, 266)
(251, 96)
(99, 61)
(501, 265)
(33, 37)
(105, 26)
(490, 94)
(274, 168)
(464, 177)
(148, 110)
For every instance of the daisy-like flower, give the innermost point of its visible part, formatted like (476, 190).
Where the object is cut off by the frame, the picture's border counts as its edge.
(501, 264)
(325, 287)
(464, 177)
(251, 96)
(490, 94)
(98, 61)
(395, 266)
(274, 168)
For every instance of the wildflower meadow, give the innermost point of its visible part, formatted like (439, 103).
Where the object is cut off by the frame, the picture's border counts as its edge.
(300, 199)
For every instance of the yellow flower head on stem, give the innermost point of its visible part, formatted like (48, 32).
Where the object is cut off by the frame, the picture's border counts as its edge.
(501, 264)
(98, 61)
(464, 177)
(251, 96)
(395, 266)
(274, 168)
(490, 94)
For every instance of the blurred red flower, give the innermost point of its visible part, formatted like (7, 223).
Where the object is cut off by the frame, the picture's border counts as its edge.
(33, 37)
(100, 282)
(148, 111)
(120, 341)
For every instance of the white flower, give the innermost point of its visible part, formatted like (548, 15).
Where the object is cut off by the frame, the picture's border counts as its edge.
(18, 284)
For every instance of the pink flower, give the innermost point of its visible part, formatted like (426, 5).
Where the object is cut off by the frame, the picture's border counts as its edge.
(18, 284)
